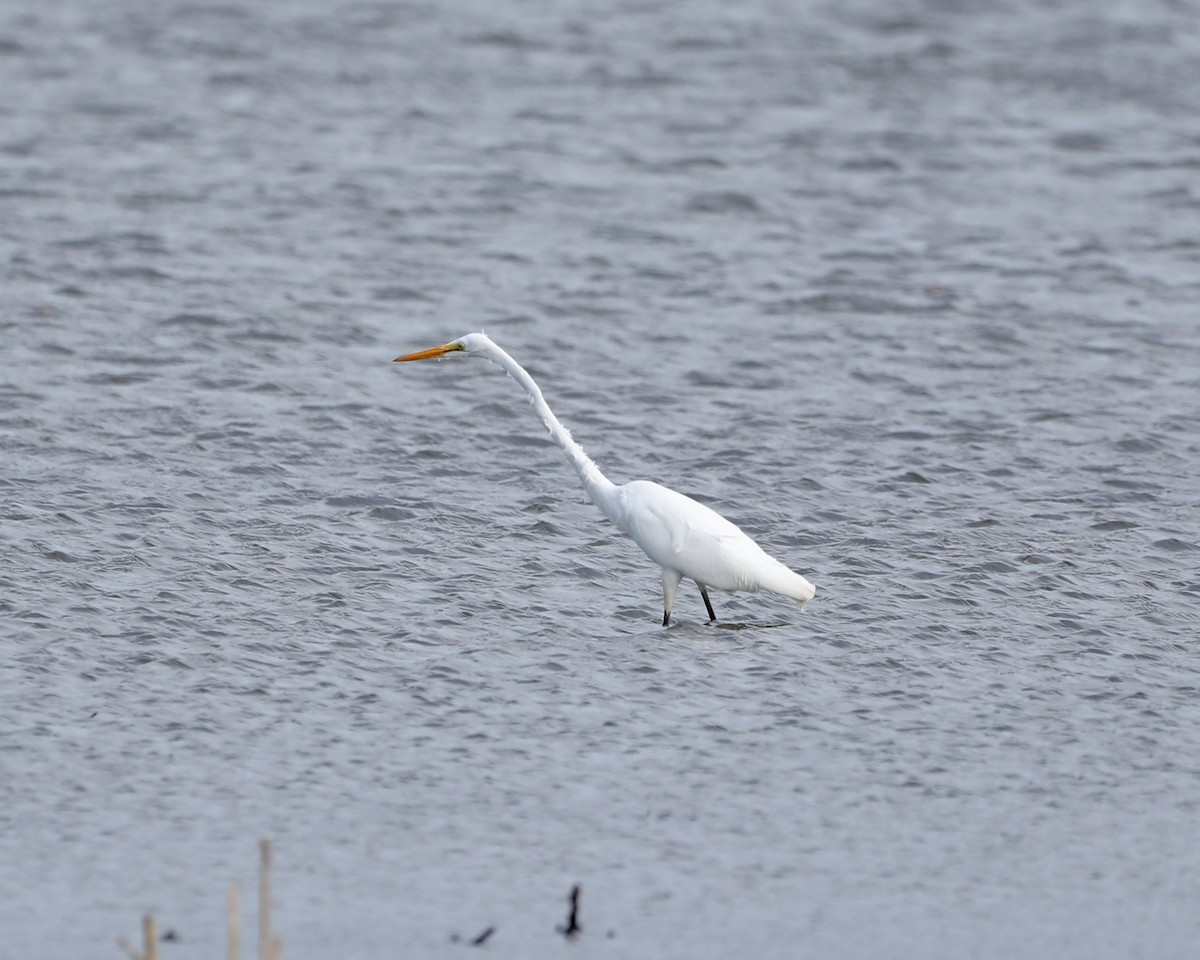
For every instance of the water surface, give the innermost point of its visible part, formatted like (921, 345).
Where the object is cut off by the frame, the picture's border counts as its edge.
(908, 293)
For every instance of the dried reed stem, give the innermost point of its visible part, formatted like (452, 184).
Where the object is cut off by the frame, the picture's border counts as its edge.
(150, 938)
(264, 900)
(129, 948)
(233, 912)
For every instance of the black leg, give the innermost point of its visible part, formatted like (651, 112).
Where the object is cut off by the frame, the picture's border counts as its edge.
(708, 603)
(666, 619)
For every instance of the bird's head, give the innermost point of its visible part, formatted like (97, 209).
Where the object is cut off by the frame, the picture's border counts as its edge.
(473, 344)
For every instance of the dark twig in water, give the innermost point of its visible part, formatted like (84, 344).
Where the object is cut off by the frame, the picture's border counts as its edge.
(572, 928)
(482, 938)
(479, 941)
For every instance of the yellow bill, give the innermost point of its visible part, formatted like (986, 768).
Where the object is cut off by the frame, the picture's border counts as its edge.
(431, 353)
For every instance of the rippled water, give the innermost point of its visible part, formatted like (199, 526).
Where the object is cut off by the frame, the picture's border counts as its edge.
(910, 292)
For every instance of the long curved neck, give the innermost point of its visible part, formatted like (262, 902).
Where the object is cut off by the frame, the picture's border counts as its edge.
(598, 487)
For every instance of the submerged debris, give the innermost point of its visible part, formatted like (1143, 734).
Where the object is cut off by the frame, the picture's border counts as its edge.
(572, 928)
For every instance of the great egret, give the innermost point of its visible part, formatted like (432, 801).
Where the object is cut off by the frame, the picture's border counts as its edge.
(684, 537)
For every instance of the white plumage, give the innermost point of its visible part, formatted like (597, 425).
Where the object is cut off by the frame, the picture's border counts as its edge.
(681, 535)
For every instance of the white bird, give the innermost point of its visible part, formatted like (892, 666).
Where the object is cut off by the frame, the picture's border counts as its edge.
(682, 536)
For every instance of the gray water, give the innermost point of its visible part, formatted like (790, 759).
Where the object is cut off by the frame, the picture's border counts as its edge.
(909, 291)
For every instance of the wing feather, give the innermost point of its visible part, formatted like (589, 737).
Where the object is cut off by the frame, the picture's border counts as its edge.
(681, 534)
